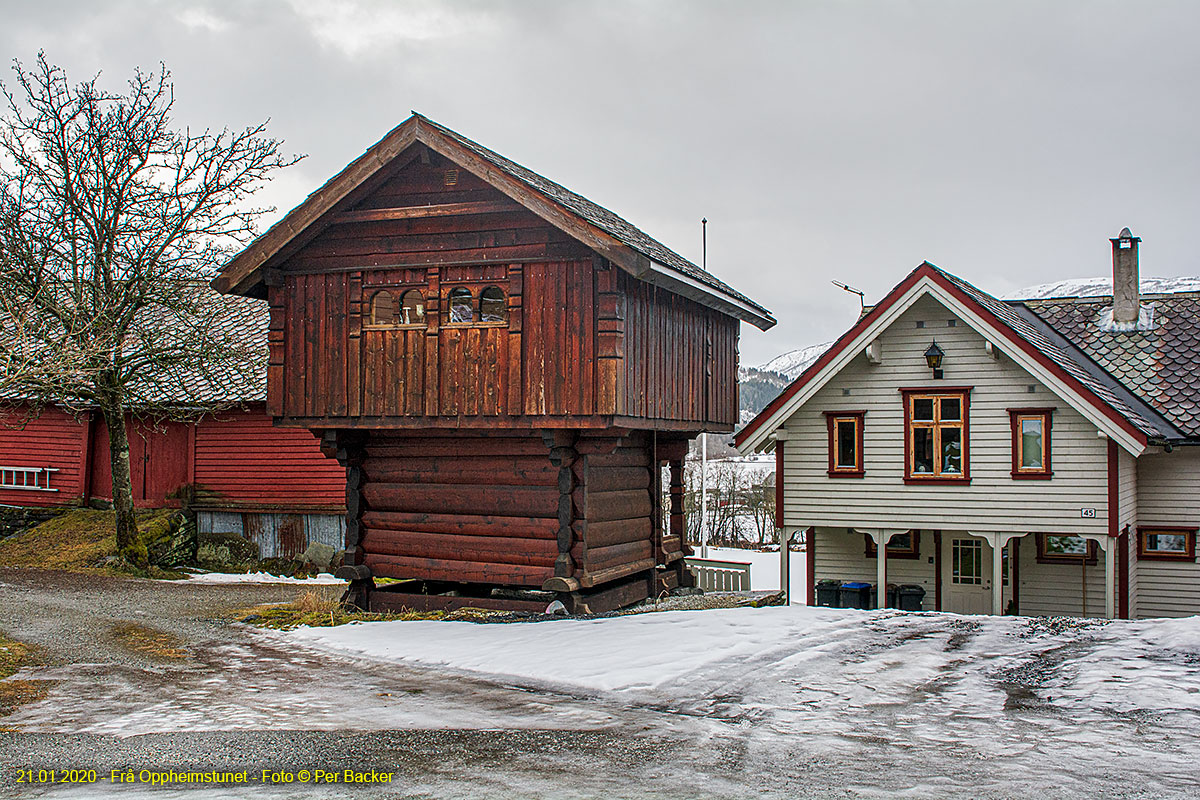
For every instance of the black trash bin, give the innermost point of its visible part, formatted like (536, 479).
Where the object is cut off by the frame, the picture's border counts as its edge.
(911, 597)
(855, 594)
(829, 593)
(891, 597)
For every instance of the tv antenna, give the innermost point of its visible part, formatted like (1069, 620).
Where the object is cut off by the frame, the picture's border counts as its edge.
(862, 304)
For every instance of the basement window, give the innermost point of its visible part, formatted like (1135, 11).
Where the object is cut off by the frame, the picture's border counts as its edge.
(1060, 548)
(901, 545)
(1167, 544)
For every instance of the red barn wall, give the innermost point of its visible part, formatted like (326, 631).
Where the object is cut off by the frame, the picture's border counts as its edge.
(243, 462)
(55, 439)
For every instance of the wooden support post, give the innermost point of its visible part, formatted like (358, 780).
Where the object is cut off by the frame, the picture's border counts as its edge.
(348, 447)
(563, 455)
(679, 521)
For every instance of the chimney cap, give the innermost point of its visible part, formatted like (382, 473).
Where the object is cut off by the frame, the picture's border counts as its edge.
(1125, 234)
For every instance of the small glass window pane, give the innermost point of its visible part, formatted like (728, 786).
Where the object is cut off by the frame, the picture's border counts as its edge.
(491, 305)
(412, 308)
(1166, 543)
(847, 443)
(952, 450)
(900, 543)
(923, 409)
(1031, 443)
(383, 308)
(923, 451)
(1059, 545)
(462, 307)
(951, 409)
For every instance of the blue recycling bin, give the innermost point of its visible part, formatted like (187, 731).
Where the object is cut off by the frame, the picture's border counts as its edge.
(856, 594)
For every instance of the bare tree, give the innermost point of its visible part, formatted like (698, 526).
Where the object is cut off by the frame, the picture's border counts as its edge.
(110, 222)
(759, 494)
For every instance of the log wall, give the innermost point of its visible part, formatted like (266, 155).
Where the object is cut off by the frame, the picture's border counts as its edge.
(512, 509)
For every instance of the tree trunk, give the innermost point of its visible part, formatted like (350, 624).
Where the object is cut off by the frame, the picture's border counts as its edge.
(130, 546)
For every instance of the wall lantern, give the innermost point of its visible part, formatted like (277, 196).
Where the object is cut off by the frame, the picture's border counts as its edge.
(933, 357)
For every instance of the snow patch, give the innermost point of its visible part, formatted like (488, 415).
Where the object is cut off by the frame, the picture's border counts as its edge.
(259, 577)
(793, 362)
(1101, 287)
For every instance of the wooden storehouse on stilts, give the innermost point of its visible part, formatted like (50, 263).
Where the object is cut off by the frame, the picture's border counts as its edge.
(503, 367)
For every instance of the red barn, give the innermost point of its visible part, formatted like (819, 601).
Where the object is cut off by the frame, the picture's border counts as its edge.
(243, 474)
(504, 367)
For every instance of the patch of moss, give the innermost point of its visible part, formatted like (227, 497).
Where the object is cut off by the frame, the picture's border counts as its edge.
(13, 693)
(319, 609)
(79, 540)
(148, 641)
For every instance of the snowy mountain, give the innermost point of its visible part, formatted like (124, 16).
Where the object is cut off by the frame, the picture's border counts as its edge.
(1098, 287)
(760, 385)
(793, 362)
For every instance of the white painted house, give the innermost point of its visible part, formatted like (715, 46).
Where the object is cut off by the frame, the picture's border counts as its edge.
(1031, 457)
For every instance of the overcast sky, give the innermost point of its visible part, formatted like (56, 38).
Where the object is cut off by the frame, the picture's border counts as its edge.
(1003, 141)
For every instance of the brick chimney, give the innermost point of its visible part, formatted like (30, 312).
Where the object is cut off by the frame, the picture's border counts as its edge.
(1126, 294)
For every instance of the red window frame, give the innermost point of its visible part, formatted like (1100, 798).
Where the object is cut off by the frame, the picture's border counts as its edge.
(832, 418)
(1045, 471)
(1091, 557)
(963, 394)
(1189, 553)
(913, 550)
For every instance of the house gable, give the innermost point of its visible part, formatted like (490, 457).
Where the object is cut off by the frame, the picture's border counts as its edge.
(929, 280)
(417, 138)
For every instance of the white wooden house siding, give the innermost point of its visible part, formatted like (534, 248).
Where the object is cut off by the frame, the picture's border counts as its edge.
(1168, 486)
(1127, 519)
(841, 554)
(993, 501)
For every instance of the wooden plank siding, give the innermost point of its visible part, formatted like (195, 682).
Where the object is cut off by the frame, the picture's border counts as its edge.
(1168, 490)
(53, 439)
(993, 500)
(243, 462)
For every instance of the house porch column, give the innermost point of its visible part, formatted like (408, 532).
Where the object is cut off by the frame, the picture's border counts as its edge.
(1109, 545)
(881, 537)
(785, 536)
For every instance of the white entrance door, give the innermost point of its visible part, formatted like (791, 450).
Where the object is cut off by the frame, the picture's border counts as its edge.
(967, 575)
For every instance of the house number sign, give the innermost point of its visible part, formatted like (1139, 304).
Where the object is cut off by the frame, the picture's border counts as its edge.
(1087, 513)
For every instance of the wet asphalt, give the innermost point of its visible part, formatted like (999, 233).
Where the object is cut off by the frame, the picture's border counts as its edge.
(240, 699)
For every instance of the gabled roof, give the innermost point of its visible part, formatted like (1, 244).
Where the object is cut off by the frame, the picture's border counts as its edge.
(238, 323)
(600, 229)
(1161, 364)
(1023, 335)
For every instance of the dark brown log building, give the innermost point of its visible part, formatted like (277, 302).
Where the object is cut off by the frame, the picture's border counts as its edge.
(503, 367)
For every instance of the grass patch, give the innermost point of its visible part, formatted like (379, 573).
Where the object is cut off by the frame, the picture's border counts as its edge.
(77, 541)
(322, 609)
(13, 656)
(147, 641)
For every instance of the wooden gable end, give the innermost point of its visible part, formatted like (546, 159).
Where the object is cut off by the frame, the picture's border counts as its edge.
(580, 342)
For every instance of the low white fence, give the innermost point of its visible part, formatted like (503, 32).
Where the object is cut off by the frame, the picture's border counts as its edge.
(33, 479)
(720, 576)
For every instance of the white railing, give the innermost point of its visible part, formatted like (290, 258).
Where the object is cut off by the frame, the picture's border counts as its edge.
(720, 576)
(31, 479)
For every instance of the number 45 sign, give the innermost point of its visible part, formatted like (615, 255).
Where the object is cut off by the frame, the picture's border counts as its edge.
(1087, 513)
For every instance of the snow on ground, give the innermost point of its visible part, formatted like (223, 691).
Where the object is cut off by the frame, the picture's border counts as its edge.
(764, 567)
(259, 577)
(1009, 705)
